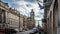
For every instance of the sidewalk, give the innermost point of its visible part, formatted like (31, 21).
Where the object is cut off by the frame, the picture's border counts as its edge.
(37, 33)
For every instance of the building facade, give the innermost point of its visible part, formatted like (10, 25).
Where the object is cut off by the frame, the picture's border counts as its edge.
(25, 21)
(3, 12)
(47, 4)
(53, 18)
(32, 15)
(10, 17)
(31, 20)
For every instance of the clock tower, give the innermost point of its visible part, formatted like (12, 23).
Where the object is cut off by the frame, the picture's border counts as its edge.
(32, 18)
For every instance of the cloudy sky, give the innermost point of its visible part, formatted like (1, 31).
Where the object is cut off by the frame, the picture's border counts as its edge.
(25, 6)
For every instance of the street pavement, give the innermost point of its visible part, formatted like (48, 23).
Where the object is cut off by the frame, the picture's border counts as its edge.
(25, 32)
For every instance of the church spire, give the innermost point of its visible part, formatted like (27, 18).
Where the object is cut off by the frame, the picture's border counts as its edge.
(32, 13)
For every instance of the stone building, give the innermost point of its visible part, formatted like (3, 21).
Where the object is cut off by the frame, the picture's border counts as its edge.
(21, 21)
(32, 14)
(47, 4)
(13, 18)
(25, 21)
(10, 17)
(31, 20)
(4, 8)
(53, 18)
(48, 17)
(29, 26)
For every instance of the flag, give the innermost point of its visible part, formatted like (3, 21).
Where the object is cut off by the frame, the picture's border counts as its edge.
(40, 6)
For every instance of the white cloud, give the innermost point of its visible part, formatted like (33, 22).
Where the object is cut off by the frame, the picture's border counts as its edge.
(39, 18)
(38, 22)
(25, 9)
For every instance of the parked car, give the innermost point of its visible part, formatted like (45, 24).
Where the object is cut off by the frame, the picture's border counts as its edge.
(34, 30)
